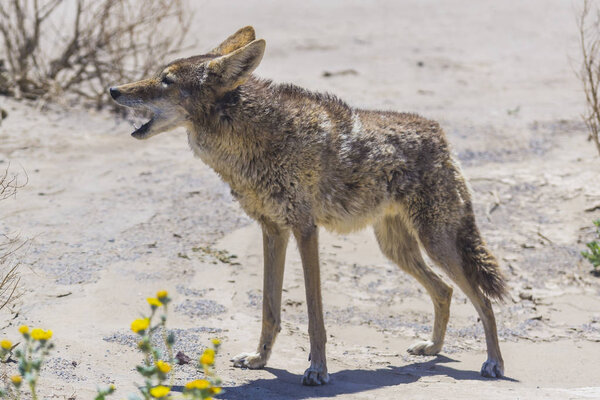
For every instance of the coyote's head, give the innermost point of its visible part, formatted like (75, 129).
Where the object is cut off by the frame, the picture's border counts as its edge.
(175, 93)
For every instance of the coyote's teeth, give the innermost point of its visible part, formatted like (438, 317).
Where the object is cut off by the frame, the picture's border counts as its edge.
(136, 127)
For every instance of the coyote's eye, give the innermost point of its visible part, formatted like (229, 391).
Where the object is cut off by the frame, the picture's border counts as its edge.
(166, 80)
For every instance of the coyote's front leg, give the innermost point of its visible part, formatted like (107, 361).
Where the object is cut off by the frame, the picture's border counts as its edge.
(308, 245)
(275, 242)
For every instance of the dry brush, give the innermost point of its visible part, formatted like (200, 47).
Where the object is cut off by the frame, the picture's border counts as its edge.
(589, 39)
(74, 49)
(9, 276)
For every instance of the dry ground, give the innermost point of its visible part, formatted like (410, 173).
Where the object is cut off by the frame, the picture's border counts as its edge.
(111, 219)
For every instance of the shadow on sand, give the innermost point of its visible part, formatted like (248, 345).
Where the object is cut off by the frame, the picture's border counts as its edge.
(285, 385)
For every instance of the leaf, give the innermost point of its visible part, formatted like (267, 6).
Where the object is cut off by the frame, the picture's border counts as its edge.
(146, 370)
(171, 338)
(29, 377)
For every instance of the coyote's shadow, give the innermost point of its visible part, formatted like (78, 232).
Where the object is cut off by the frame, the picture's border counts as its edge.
(287, 386)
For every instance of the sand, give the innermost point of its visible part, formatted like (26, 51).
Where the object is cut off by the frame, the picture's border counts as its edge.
(110, 220)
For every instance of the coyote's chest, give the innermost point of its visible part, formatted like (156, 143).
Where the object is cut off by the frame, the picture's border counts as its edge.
(252, 181)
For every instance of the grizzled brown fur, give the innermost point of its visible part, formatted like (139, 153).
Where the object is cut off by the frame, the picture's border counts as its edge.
(296, 160)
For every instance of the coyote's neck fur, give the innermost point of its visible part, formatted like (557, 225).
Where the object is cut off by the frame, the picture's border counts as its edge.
(250, 124)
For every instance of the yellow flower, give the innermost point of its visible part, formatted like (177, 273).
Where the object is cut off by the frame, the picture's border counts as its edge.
(198, 384)
(216, 342)
(159, 391)
(23, 329)
(215, 390)
(162, 294)
(163, 366)
(16, 380)
(154, 302)
(208, 357)
(40, 334)
(6, 344)
(140, 324)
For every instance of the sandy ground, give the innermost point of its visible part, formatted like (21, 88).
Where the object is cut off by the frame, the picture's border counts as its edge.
(111, 219)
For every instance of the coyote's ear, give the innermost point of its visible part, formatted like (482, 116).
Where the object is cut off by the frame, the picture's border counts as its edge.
(239, 39)
(235, 68)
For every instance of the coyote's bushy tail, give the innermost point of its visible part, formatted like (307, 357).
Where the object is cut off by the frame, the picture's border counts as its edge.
(479, 264)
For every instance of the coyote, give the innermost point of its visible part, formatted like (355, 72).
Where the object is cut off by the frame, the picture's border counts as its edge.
(296, 160)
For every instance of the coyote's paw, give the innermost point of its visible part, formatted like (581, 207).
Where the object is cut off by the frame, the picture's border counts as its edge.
(249, 360)
(424, 348)
(492, 369)
(315, 376)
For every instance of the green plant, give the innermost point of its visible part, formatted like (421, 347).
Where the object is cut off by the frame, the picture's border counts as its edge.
(156, 367)
(593, 255)
(30, 358)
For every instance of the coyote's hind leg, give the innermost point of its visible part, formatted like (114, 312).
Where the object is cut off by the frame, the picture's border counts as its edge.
(472, 267)
(398, 244)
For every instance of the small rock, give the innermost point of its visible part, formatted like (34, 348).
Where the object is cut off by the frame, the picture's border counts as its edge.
(182, 359)
(526, 295)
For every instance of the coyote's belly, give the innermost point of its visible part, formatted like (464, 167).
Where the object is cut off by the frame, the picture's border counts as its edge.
(341, 215)
(346, 223)
(343, 208)
(333, 204)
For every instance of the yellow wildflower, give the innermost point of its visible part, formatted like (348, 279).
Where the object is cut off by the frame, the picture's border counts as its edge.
(23, 329)
(6, 344)
(216, 342)
(198, 384)
(140, 324)
(154, 302)
(162, 294)
(163, 366)
(159, 391)
(40, 334)
(16, 380)
(215, 390)
(208, 357)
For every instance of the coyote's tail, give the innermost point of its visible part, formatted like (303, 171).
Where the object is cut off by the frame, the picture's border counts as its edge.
(479, 264)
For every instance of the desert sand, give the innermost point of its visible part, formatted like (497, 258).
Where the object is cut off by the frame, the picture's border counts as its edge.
(110, 220)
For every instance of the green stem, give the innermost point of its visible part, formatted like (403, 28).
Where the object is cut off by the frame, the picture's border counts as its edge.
(32, 387)
(167, 345)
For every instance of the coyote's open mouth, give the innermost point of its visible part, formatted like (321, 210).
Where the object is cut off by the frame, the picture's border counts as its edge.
(140, 133)
(143, 119)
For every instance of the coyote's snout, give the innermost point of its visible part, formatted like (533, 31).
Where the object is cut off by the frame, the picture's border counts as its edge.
(296, 160)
